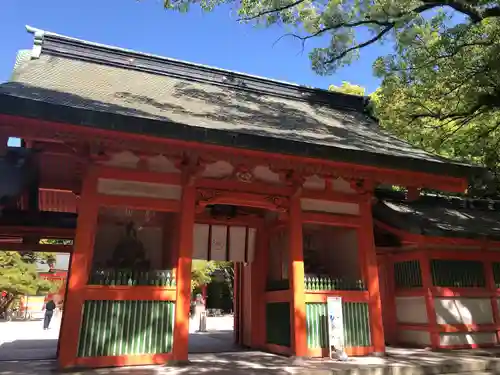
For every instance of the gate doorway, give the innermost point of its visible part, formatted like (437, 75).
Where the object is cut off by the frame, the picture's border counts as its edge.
(36, 284)
(225, 240)
(212, 315)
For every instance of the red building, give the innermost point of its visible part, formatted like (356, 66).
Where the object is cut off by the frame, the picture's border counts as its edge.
(173, 161)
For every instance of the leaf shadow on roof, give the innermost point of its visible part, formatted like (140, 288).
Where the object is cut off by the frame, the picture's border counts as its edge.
(434, 216)
(307, 121)
(203, 105)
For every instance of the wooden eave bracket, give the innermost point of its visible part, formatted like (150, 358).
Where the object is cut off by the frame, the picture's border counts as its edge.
(363, 186)
(191, 168)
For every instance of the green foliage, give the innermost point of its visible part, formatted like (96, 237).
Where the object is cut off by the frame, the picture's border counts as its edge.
(32, 257)
(348, 88)
(441, 85)
(19, 277)
(201, 272)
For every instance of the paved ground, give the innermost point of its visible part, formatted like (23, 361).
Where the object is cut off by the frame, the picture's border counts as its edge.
(21, 340)
(218, 338)
(24, 345)
(398, 362)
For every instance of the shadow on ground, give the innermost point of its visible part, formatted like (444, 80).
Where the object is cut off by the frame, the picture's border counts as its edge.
(398, 361)
(23, 350)
(213, 342)
(247, 363)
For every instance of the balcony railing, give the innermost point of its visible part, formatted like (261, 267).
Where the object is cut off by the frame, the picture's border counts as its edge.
(331, 283)
(115, 277)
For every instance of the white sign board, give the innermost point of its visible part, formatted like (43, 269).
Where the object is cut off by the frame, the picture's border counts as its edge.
(335, 324)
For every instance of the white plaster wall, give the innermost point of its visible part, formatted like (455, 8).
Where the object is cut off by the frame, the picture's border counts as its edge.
(463, 310)
(125, 159)
(449, 339)
(411, 310)
(160, 163)
(420, 338)
(314, 183)
(343, 186)
(108, 235)
(218, 169)
(317, 205)
(264, 173)
(138, 189)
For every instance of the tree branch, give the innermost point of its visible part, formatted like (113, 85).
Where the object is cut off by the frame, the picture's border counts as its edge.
(361, 45)
(270, 11)
(474, 12)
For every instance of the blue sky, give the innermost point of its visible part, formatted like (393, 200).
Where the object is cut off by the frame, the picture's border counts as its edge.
(214, 39)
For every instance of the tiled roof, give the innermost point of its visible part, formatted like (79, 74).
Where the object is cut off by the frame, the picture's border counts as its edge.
(440, 216)
(83, 75)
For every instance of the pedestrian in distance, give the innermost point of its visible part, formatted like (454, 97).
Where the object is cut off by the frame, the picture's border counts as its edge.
(49, 308)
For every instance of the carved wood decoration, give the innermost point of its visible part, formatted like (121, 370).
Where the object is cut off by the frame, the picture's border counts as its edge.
(207, 197)
(362, 187)
(243, 174)
(100, 142)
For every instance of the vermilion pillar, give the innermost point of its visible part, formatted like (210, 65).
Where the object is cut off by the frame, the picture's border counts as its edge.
(425, 268)
(296, 271)
(369, 262)
(258, 289)
(183, 275)
(79, 269)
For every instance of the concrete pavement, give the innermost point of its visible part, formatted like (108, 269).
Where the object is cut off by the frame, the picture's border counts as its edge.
(27, 340)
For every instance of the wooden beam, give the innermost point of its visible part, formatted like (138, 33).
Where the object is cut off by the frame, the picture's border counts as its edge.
(46, 248)
(332, 196)
(27, 128)
(348, 221)
(42, 232)
(139, 203)
(137, 175)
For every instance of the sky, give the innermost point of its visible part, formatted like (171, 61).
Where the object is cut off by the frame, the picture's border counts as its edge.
(214, 39)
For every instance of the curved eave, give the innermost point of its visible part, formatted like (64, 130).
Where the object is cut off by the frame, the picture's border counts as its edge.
(438, 175)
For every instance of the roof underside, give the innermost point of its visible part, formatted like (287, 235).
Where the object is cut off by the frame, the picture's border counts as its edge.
(439, 216)
(91, 84)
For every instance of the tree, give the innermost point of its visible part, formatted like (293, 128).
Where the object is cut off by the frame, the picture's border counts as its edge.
(442, 80)
(18, 276)
(348, 88)
(227, 271)
(201, 273)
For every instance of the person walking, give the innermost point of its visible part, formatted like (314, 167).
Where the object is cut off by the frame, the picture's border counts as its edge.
(49, 308)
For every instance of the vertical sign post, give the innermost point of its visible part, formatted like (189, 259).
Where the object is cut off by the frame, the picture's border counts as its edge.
(335, 325)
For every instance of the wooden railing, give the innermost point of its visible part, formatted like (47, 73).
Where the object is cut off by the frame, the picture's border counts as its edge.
(161, 278)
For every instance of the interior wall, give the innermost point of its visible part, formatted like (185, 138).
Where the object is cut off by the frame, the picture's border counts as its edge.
(334, 249)
(109, 235)
(278, 255)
